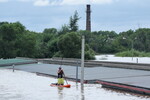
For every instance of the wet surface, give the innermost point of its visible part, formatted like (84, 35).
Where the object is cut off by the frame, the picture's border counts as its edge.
(20, 85)
(113, 58)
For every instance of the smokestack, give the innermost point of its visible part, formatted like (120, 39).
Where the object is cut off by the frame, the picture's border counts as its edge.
(88, 18)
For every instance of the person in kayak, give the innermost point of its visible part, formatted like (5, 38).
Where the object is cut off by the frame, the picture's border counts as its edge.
(60, 76)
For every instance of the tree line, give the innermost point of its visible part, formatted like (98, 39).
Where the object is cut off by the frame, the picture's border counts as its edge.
(17, 41)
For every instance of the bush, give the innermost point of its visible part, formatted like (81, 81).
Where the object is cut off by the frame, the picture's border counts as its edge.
(89, 53)
(58, 54)
(133, 53)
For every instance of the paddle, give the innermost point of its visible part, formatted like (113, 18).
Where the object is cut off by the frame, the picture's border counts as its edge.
(65, 79)
(64, 74)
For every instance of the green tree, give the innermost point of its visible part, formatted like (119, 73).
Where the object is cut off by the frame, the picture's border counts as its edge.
(53, 47)
(89, 53)
(123, 42)
(102, 41)
(45, 44)
(142, 39)
(50, 30)
(64, 29)
(8, 33)
(73, 24)
(70, 45)
(26, 45)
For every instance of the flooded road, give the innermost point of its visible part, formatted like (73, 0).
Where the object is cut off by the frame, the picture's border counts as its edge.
(21, 85)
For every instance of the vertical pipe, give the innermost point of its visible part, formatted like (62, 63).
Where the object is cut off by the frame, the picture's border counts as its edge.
(77, 72)
(132, 50)
(13, 67)
(137, 60)
(82, 63)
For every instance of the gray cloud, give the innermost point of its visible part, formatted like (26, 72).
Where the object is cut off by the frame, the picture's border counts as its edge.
(2, 1)
(67, 2)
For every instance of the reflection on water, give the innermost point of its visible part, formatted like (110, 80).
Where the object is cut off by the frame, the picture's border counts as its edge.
(82, 92)
(60, 93)
(78, 88)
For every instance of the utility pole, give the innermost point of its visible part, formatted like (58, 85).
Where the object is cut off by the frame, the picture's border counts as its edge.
(82, 62)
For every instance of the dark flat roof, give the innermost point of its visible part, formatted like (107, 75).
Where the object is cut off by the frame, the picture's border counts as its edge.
(119, 75)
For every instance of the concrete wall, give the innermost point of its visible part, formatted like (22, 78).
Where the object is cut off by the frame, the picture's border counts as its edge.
(88, 63)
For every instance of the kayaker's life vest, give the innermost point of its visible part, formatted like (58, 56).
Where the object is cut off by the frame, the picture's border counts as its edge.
(60, 73)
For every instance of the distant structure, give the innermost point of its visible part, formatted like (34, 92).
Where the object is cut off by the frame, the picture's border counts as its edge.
(88, 18)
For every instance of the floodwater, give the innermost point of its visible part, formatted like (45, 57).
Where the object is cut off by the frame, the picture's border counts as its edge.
(21, 85)
(112, 58)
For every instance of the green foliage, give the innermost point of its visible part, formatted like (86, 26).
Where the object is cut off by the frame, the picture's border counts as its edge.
(46, 45)
(53, 47)
(8, 36)
(70, 45)
(15, 41)
(25, 45)
(73, 22)
(50, 30)
(72, 26)
(142, 40)
(9, 31)
(64, 29)
(132, 53)
(89, 53)
(58, 54)
(102, 41)
(7, 49)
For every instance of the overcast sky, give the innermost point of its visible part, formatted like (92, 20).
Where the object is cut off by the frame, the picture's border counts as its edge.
(116, 15)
